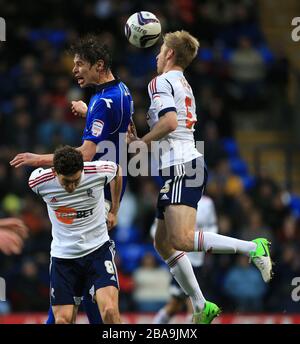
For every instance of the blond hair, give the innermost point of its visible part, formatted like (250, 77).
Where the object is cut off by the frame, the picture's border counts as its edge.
(184, 45)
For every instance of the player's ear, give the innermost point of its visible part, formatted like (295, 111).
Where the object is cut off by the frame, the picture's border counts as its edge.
(99, 66)
(170, 53)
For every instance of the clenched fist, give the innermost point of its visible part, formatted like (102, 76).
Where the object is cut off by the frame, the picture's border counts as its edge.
(79, 108)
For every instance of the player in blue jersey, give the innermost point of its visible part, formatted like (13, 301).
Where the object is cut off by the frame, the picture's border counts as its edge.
(107, 118)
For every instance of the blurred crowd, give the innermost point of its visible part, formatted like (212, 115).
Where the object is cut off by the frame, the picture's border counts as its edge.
(235, 69)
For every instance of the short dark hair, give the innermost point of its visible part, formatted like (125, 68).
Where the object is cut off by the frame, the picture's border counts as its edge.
(67, 161)
(91, 49)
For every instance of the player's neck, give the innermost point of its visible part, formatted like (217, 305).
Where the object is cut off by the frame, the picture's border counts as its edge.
(105, 77)
(172, 67)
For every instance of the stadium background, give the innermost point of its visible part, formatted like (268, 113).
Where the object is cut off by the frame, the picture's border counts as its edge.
(245, 81)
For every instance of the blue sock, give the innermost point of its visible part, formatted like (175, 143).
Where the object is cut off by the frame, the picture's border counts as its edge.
(50, 319)
(92, 310)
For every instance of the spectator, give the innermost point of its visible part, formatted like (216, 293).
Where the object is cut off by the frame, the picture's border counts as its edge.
(256, 227)
(27, 293)
(244, 285)
(151, 285)
(247, 73)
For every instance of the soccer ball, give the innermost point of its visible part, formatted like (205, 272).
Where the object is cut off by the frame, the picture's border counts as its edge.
(142, 29)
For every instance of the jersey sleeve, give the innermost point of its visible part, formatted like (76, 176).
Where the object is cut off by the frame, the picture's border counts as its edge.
(35, 177)
(106, 170)
(98, 124)
(161, 93)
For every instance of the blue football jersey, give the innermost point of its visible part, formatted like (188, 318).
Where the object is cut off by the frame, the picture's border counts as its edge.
(109, 113)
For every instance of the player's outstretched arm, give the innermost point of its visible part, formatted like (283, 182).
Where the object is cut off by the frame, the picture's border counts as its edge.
(79, 108)
(31, 159)
(115, 190)
(88, 150)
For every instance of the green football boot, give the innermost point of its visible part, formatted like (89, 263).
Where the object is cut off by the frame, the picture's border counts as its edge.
(207, 315)
(261, 258)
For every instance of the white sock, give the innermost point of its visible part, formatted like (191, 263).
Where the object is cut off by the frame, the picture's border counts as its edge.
(161, 317)
(182, 270)
(216, 243)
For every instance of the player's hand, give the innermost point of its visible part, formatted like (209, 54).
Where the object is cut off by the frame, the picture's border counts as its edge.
(132, 128)
(10, 242)
(79, 108)
(15, 225)
(111, 220)
(131, 134)
(25, 159)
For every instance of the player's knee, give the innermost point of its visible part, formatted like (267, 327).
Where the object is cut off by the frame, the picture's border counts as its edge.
(177, 242)
(63, 319)
(109, 314)
(164, 250)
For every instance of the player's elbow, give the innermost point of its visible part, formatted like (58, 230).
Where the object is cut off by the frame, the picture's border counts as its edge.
(87, 155)
(173, 124)
(88, 150)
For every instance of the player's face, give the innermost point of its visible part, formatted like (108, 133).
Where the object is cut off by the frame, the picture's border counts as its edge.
(70, 183)
(84, 73)
(161, 59)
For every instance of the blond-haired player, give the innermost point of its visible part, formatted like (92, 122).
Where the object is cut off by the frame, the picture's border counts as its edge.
(171, 117)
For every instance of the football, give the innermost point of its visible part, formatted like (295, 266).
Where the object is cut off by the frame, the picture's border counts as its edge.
(143, 29)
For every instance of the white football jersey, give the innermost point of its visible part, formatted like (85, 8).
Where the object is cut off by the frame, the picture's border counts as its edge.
(171, 92)
(78, 218)
(206, 220)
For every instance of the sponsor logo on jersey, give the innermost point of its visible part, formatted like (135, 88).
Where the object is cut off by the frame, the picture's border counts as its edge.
(68, 215)
(97, 127)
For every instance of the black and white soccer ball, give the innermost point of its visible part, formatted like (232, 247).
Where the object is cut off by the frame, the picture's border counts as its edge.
(143, 29)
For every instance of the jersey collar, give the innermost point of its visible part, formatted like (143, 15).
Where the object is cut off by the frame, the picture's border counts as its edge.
(101, 87)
